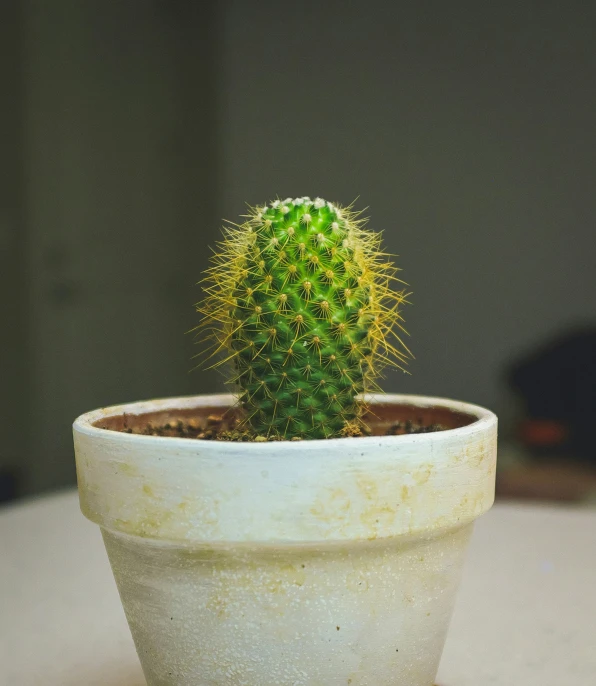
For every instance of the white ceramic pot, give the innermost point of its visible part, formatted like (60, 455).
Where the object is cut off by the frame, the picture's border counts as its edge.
(288, 563)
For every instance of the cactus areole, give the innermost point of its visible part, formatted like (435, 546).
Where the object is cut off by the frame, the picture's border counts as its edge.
(301, 306)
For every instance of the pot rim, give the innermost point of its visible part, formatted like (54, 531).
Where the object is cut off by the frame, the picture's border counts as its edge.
(84, 424)
(180, 490)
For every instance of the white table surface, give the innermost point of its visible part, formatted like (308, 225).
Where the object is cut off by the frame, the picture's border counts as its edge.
(526, 612)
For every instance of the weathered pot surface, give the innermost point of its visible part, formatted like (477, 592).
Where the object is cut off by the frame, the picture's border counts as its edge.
(288, 563)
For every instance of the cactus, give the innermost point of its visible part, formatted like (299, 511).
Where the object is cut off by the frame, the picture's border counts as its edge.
(301, 299)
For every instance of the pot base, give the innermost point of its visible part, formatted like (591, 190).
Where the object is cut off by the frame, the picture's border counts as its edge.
(375, 613)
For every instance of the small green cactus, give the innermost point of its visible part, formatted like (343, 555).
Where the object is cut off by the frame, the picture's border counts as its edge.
(300, 298)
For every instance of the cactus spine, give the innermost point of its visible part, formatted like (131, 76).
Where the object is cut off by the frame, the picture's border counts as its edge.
(300, 298)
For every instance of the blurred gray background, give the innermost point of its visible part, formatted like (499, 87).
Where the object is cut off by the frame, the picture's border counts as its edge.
(128, 130)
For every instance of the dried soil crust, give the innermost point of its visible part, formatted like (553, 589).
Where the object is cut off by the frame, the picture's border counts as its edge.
(210, 423)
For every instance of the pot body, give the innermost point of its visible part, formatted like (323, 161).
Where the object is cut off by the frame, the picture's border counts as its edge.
(287, 563)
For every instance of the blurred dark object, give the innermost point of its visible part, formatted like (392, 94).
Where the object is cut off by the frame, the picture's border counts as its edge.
(553, 456)
(558, 387)
(8, 486)
(560, 481)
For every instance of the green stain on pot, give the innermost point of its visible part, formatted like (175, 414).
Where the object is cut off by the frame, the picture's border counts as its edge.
(126, 469)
